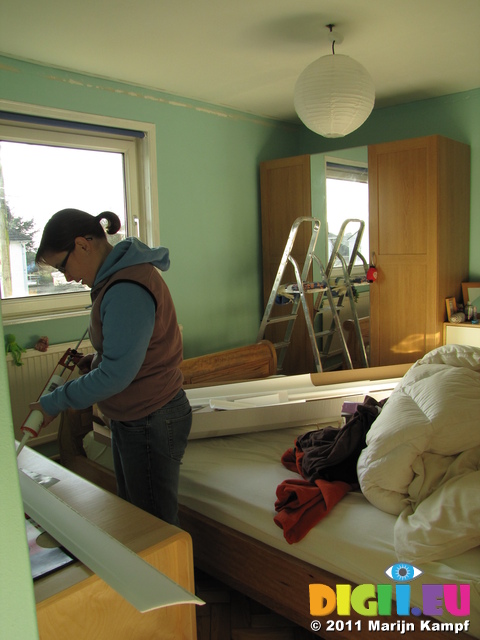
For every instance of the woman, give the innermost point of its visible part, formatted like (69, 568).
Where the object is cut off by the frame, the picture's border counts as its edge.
(134, 376)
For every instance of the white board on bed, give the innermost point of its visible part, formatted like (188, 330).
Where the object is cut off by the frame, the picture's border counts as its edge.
(278, 402)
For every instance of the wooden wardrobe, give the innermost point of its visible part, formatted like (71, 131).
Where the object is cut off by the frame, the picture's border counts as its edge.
(419, 193)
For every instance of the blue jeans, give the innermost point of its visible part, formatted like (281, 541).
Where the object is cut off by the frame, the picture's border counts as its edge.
(147, 455)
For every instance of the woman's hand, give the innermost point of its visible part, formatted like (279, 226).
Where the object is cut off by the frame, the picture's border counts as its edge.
(47, 418)
(85, 363)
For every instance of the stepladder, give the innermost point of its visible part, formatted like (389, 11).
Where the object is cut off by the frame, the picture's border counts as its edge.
(296, 294)
(329, 291)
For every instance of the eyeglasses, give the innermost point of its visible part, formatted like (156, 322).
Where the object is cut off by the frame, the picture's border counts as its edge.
(63, 266)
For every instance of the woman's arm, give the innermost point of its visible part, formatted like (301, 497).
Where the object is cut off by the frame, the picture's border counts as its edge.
(128, 319)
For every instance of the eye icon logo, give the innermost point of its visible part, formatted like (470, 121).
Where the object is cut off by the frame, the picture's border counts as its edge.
(402, 572)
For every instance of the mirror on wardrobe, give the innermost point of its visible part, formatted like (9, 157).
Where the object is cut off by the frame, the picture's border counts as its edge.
(339, 192)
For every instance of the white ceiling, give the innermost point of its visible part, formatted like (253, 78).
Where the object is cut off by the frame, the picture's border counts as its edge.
(247, 54)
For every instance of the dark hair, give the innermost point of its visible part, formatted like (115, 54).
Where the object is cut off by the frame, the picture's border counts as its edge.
(66, 225)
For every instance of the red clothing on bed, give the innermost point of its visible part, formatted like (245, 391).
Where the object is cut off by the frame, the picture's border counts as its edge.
(301, 505)
(327, 461)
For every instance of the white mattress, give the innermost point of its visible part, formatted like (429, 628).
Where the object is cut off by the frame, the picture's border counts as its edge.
(233, 480)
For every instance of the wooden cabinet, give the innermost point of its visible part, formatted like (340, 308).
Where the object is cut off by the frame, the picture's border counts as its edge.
(285, 196)
(461, 333)
(419, 193)
(73, 603)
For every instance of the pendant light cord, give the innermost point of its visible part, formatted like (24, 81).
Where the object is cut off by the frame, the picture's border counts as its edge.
(330, 26)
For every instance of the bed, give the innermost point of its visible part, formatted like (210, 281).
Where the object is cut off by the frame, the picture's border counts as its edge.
(227, 495)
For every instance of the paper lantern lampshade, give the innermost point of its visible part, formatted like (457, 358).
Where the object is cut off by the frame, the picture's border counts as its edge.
(334, 95)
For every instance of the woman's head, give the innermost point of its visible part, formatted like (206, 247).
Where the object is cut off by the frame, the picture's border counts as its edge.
(64, 226)
(74, 242)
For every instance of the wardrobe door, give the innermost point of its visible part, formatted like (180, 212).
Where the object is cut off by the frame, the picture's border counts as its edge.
(410, 183)
(401, 224)
(285, 196)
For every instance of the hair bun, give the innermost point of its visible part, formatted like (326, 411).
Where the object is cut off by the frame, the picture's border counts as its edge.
(113, 221)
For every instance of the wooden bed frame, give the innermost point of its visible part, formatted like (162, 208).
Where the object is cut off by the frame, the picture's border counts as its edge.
(281, 582)
(271, 577)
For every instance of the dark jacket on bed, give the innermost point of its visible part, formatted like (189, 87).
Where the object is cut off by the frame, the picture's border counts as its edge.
(331, 453)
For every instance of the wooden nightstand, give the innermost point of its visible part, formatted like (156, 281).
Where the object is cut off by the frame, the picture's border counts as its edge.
(461, 333)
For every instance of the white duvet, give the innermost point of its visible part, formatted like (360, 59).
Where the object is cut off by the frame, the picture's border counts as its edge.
(422, 459)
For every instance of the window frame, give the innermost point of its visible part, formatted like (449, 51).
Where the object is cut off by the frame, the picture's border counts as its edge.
(140, 188)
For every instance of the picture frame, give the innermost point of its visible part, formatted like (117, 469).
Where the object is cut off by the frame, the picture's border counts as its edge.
(451, 305)
(471, 291)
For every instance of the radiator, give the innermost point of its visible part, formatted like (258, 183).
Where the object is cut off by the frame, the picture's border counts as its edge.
(28, 381)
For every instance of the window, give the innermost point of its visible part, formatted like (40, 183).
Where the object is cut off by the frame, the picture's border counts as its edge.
(48, 165)
(347, 198)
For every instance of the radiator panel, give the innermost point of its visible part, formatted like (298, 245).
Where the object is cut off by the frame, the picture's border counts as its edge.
(27, 382)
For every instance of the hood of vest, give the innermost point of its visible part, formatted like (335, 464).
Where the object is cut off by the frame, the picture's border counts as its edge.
(131, 252)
